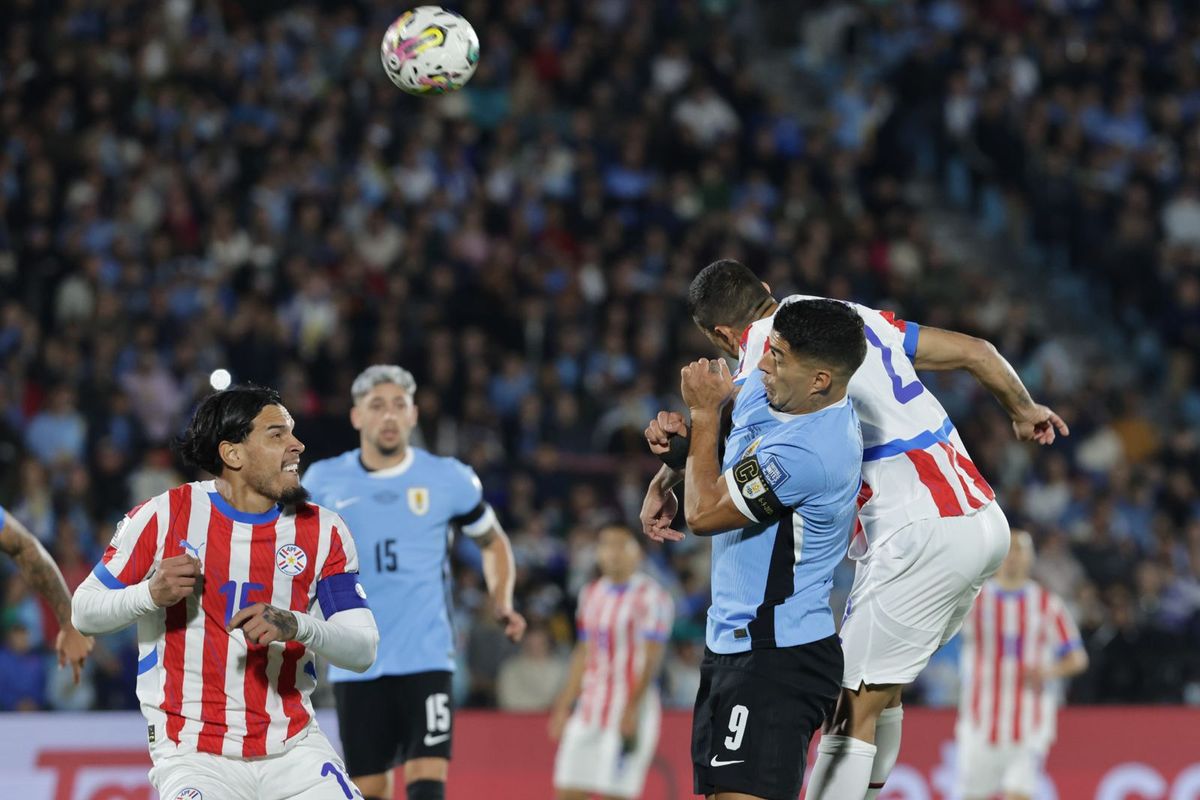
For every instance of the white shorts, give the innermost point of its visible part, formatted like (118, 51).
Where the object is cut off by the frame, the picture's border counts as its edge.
(912, 593)
(310, 770)
(985, 770)
(589, 757)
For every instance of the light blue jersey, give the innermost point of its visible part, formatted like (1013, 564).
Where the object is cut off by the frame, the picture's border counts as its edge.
(798, 477)
(402, 519)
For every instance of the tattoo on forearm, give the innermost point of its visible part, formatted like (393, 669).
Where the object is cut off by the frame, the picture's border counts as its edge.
(285, 621)
(43, 575)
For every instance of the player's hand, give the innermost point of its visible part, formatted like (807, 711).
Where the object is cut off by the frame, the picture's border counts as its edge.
(660, 430)
(1039, 424)
(658, 510)
(1036, 677)
(176, 578)
(72, 648)
(263, 624)
(514, 623)
(558, 721)
(706, 385)
(629, 722)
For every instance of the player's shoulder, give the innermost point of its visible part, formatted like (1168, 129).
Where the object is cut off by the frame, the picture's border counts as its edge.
(651, 586)
(448, 467)
(344, 463)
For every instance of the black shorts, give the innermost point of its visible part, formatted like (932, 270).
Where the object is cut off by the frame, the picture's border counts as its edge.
(394, 719)
(756, 713)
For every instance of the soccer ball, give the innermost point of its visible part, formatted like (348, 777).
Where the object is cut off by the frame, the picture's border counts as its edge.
(429, 50)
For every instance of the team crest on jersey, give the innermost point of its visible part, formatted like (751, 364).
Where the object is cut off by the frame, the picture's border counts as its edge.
(291, 560)
(189, 794)
(418, 500)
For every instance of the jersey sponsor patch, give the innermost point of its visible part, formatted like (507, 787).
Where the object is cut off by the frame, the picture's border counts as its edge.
(418, 500)
(761, 499)
(291, 560)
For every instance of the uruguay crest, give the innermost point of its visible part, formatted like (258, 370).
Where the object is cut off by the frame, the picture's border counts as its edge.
(418, 500)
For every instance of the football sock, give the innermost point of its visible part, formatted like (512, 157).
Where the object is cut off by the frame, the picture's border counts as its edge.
(843, 769)
(427, 790)
(887, 748)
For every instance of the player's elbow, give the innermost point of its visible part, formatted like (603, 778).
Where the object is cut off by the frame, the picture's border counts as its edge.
(364, 656)
(1077, 662)
(979, 354)
(82, 617)
(702, 521)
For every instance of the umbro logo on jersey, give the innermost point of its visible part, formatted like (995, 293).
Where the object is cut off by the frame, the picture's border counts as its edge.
(431, 740)
(338, 505)
(716, 763)
(291, 559)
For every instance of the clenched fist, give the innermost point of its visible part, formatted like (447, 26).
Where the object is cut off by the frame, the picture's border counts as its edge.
(177, 578)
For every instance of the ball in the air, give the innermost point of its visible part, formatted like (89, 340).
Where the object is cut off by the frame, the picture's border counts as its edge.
(430, 50)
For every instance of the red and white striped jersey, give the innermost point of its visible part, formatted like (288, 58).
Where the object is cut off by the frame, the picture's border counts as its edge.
(617, 620)
(915, 465)
(202, 688)
(1006, 634)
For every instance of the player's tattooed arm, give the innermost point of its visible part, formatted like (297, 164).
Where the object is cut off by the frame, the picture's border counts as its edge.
(946, 350)
(263, 623)
(37, 567)
(284, 621)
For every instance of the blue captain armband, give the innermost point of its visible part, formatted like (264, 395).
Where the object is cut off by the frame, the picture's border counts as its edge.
(340, 592)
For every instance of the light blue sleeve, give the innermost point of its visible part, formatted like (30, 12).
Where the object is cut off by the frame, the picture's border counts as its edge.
(791, 469)
(466, 487)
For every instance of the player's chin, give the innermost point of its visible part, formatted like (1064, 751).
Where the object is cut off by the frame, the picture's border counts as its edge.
(292, 493)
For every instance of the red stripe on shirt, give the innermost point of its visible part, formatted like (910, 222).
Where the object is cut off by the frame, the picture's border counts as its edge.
(898, 324)
(997, 668)
(952, 455)
(213, 701)
(254, 685)
(1043, 607)
(632, 642)
(977, 689)
(932, 477)
(980, 484)
(175, 637)
(142, 556)
(1020, 687)
(335, 562)
(308, 534)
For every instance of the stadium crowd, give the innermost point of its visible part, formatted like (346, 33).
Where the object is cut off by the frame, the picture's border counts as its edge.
(187, 187)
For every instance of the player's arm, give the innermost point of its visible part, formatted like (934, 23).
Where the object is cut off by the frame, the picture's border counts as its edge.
(117, 592)
(43, 575)
(479, 522)
(655, 630)
(1071, 657)
(339, 627)
(708, 506)
(570, 691)
(947, 350)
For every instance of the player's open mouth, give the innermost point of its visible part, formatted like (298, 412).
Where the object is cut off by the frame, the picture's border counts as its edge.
(293, 468)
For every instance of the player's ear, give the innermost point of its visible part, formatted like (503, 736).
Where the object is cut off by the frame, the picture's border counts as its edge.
(231, 454)
(822, 380)
(355, 417)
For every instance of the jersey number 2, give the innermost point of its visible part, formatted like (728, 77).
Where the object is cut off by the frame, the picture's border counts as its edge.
(903, 392)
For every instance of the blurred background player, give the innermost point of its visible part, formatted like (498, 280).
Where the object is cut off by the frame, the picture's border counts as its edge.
(403, 504)
(624, 619)
(40, 572)
(919, 485)
(220, 576)
(1018, 642)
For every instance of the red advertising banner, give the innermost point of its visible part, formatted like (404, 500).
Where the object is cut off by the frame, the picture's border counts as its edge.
(1101, 754)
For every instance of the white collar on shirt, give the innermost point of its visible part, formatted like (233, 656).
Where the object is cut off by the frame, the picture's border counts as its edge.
(785, 417)
(392, 472)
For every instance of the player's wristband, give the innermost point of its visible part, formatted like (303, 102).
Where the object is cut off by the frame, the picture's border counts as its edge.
(676, 456)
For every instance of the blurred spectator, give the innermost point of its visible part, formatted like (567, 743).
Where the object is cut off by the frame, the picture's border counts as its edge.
(24, 671)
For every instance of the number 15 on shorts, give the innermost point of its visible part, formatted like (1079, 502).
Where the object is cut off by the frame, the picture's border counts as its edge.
(437, 719)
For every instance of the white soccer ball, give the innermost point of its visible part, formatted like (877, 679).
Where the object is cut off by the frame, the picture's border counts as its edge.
(430, 50)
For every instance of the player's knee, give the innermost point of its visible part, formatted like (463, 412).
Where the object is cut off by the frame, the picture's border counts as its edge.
(427, 790)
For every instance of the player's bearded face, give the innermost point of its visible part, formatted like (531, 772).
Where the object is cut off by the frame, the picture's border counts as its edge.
(274, 457)
(385, 417)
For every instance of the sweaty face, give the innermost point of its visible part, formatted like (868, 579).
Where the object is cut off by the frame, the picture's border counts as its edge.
(272, 457)
(385, 417)
(617, 553)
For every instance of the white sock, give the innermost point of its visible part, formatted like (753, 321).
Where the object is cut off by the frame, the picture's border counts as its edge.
(843, 769)
(887, 748)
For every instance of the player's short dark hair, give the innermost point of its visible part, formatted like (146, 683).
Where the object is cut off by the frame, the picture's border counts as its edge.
(725, 292)
(225, 416)
(827, 330)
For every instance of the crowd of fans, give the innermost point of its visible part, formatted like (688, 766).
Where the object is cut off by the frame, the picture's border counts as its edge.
(188, 186)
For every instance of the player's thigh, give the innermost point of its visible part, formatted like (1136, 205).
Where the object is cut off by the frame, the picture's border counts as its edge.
(980, 769)
(426, 717)
(311, 770)
(1021, 771)
(586, 757)
(196, 776)
(761, 709)
(369, 724)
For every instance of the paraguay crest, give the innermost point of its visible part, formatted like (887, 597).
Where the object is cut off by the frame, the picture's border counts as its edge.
(418, 500)
(291, 560)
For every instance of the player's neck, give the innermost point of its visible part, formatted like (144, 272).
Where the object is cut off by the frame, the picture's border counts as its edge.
(374, 460)
(1011, 584)
(620, 580)
(241, 497)
(766, 308)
